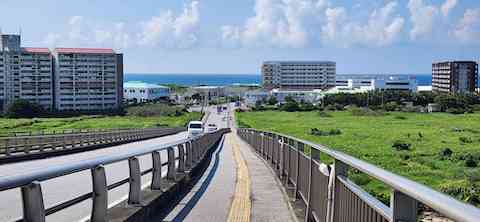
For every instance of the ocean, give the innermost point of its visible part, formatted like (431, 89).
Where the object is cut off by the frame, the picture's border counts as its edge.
(231, 79)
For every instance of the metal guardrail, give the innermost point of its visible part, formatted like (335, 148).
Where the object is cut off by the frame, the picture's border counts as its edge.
(329, 196)
(56, 132)
(25, 145)
(189, 153)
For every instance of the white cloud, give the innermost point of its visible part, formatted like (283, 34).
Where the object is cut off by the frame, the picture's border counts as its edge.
(296, 24)
(468, 28)
(170, 31)
(382, 27)
(447, 6)
(282, 23)
(422, 17)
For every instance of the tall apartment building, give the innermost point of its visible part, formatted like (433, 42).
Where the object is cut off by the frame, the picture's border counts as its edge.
(65, 79)
(25, 73)
(455, 76)
(298, 75)
(88, 79)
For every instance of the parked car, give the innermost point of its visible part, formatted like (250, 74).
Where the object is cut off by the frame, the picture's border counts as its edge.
(211, 128)
(195, 128)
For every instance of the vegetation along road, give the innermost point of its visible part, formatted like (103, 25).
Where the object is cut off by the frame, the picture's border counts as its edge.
(152, 115)
(440, 150)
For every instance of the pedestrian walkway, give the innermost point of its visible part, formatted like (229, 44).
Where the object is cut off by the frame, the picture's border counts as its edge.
(237, 186)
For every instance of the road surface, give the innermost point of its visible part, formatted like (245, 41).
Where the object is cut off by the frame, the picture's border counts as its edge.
(67, 187)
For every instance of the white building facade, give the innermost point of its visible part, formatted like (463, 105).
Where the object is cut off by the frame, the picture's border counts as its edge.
(139, 92)
(88, 79)
(25, 73)
(298, 75)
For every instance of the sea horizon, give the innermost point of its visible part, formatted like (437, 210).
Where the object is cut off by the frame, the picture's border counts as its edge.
(224, 79)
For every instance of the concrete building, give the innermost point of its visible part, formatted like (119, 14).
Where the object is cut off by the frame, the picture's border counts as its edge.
(455, 76)
(88, 79)
(211, 91)
(139, 92)
(25, 73)
(298, 75)
(377, 82)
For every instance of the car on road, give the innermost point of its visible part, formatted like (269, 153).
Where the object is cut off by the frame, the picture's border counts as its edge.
(195, 128)
(211, 128)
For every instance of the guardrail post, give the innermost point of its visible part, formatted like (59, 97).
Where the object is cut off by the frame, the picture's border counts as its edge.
(189, 163)
(404, 208)
(281, 160)
(156, 171)
(100, 195)
(135, 192)
(299, 150)
(181, 160)
(314, 154)
(33, 207)
(7, 149)
(340, 169)
(172, 173)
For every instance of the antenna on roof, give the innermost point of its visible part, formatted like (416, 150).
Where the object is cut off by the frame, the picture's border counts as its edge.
(20, 30)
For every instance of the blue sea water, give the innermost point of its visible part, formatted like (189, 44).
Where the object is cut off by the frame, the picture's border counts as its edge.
(226, 79)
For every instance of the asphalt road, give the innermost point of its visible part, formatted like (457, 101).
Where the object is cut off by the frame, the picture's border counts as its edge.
(67, 187)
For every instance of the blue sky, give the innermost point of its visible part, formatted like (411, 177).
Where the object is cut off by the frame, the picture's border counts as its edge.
(218, 36)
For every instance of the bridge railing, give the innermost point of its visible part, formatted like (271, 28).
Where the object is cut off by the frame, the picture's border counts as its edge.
(183, 155)
(329, 195)
(24, 145)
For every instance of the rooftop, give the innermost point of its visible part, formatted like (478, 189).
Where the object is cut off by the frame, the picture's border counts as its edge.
(138, 84)
(85, 50)
(299, 62)
(36, 50)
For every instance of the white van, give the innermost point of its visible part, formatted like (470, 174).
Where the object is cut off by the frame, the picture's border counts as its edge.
(195, 128)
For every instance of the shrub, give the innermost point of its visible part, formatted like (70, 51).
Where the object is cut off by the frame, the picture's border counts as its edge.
(156, 110)
(456, 110)
(24, 109)
(290, 106)
(465, 139)
(401, 145)
(391, 106)
(324, 114)
(365, 112)
(470, 161)
(332, 132)
(272, 101)
(446, 152)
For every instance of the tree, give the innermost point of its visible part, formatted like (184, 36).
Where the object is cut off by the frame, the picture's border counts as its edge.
(290, 105)
(23, 109)
(272, 101)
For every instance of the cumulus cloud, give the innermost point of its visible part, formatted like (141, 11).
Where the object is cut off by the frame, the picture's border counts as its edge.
(383, 27)
(295, 24)
(172, 31)
(468, 28)
(447, 6)
(283, 23)
(422, 17)
(82, 32)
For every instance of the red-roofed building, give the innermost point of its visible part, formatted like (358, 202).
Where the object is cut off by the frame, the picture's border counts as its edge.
(36, 50)
(83, 79)
(88, 79)
(84, 51)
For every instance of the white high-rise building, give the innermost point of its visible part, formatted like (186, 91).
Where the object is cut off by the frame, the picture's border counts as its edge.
(25, 73)
(88, 79)
(298, 75)
(77, 79)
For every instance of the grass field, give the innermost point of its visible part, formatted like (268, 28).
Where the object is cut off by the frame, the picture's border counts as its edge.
(371, 138)
(94, 122)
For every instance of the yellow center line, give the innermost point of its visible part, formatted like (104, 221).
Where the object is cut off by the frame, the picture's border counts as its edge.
(241, 204)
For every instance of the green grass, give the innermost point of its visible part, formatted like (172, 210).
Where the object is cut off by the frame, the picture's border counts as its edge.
(94, 122)
(370, 138)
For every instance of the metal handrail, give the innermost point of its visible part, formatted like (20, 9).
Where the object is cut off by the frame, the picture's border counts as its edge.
(190, 152)
(438, 201)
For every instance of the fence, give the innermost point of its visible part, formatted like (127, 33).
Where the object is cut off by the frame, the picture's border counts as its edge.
(329, 196)
(25, 145)
(182, 156)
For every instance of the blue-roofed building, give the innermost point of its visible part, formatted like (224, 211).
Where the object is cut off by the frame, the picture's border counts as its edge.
(140, 92)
